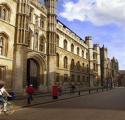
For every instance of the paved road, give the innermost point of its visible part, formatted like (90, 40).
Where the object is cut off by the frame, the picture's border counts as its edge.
(109, 105)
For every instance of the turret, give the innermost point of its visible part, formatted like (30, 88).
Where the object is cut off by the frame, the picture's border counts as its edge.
(88, 41)
(51, 33)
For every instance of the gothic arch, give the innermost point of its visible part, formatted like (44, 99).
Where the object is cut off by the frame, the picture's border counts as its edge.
(41, 62)
(5, 11)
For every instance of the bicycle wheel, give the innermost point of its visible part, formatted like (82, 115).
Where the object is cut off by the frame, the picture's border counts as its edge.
(10, 109)
(1, 109)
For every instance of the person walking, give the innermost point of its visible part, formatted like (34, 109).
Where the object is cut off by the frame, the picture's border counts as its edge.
(29, 91)
(3, 92)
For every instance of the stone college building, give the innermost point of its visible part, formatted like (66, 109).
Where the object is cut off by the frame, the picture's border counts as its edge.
(36, 48)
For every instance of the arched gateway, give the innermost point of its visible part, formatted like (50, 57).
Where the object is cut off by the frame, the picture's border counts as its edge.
(36, 70)
(33, 73)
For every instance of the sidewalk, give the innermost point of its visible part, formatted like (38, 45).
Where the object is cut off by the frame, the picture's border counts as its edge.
(21, 103)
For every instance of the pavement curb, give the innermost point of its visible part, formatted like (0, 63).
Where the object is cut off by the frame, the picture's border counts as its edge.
(56, 100)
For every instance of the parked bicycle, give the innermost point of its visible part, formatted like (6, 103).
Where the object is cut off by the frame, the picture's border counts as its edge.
(9, 106)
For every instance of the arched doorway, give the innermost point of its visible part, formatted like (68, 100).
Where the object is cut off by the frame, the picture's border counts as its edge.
(33, 73)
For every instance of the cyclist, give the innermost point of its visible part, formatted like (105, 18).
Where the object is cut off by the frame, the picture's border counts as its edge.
(2, 93)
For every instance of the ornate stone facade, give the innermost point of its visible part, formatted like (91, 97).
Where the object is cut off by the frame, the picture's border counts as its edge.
(38, 49)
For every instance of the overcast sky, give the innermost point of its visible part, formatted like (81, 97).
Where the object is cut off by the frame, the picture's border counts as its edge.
(104, 20)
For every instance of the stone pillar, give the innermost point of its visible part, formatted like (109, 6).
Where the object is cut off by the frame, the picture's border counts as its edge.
(20, 45)
(51, 40)
(88, 41)
(97, 47)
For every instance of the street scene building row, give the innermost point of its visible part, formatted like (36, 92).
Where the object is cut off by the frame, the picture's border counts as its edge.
(37, 48)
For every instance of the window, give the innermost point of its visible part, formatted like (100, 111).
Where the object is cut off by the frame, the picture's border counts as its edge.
(2, 73)
(42, 44)
(94, 56)
(77, 50)
(4, 12)
(31, 14)
(36, 41)
(94, 66)
(87, 66)
(72, 48)
(83, 66)
(36, 20)
(82, 53)
(83, 78)
(0, 11)
(65, 62)
(57, 60)
(78, 66)
(57, 41)
(87, 79)
(78, 78)
(30, 38)
(42, 22)
(3, 44)
(65, 77)
(65, 44)
(87, 55)
(72, 64)
(72, 78)
(57, 77)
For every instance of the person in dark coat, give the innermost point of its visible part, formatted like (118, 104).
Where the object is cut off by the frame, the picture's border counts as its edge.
(29, 91)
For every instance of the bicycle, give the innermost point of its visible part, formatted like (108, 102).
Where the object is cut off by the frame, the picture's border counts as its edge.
(9, 106)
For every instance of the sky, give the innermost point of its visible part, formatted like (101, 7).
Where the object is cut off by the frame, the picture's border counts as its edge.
(104, 20)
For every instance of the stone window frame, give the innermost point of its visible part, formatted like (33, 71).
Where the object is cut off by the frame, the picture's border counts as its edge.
(65, 62)
(72, 48)
(57, 59)
(72, 78)
(3, 70)
(78, 49)
(42, 42)
(78, 78)
(3, 44)
(31, 14)
(57, 77)
(57, 40)
(65, 78)
(65, 44)
(83, 67)
(83, 53)
(5, 12)
(78, 66)
(42, 21)
(72, 64)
